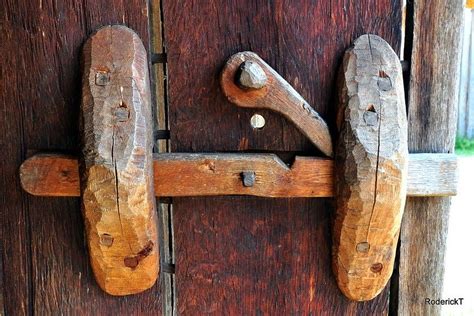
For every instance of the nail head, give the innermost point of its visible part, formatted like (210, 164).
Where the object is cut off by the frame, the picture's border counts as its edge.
(251, 76)
(248, 178)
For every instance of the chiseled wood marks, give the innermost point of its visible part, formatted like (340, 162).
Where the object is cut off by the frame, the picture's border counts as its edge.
(371, 168)
(117, 179)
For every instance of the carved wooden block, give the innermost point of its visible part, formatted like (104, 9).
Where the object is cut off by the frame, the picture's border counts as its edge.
(371, 168)
(117, 180)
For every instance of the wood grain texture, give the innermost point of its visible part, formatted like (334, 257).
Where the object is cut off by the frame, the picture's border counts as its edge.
(253, 265)
(432, 175)
(288, 270)
(117, 179)
(45, 262)
(303, 41)
(432, 106)
(184, 174)
(278, 96)
(370, 168)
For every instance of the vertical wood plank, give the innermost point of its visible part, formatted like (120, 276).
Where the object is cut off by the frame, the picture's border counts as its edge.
(45, 258)
(432, 106)
(15, 230)
(469, 107)
(465, 126)
(162, 145)
(464, 73)
(247, 255)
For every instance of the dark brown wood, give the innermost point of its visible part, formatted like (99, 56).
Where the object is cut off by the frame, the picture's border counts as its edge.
(246, 255)
(432, 105)
(184, 174)
(274, 94)
(371, 167)
(118, 197)
(45, 263)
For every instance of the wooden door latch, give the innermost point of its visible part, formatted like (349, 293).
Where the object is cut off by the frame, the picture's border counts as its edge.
(118, 176)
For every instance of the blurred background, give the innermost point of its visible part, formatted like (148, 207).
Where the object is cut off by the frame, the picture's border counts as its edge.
(459, 275)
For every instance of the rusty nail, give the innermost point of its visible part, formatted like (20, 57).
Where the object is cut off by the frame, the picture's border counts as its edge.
(102, 78)
(363, 247)
(248, 178)
(376, 267)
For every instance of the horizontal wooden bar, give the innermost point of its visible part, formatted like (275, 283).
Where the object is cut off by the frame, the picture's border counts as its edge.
(184, 174)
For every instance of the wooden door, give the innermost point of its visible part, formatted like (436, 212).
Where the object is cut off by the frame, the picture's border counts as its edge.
(236, 255)
(220, 255)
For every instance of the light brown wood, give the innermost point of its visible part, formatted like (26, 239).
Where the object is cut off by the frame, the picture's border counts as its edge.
(276, 95)
(432, 106)
(117, 180)
(370, 167)
(432, 175)
(58, 175)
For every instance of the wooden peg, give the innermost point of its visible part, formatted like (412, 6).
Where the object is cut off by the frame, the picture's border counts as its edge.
(248, 81)
(370, 167)
(117, 179)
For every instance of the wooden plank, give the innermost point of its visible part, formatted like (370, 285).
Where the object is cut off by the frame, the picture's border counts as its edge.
(370, 168)
(464, 81)
(16, 279)
(244, 256)
(161, 145)
(181, 174)
(469, 108)
(432, 127)
(432, 175)
(48, 270)
(117, 163)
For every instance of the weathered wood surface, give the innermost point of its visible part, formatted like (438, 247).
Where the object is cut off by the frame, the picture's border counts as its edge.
(370, 168)
(465, 122)
(432, 106)
(45, 267)
(161, 145)
(432, 175)
(275, 94)
(117, 172)
(183, 174)
(276, 258)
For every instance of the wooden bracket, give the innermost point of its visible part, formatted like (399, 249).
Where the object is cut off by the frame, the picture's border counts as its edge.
(117, 179)
(249, 82)
(370, 177)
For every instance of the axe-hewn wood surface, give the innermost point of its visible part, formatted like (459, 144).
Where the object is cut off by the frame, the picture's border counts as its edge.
(257, 255)
(45, 264)
(191, 174)
(371, 166)
(118, 197)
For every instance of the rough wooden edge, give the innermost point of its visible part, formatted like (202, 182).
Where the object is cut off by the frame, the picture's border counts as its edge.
(370, 168)
(432, 105)
(162, 145)
(58, 175)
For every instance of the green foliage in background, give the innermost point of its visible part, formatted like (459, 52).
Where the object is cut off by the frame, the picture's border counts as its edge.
(464, 146)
